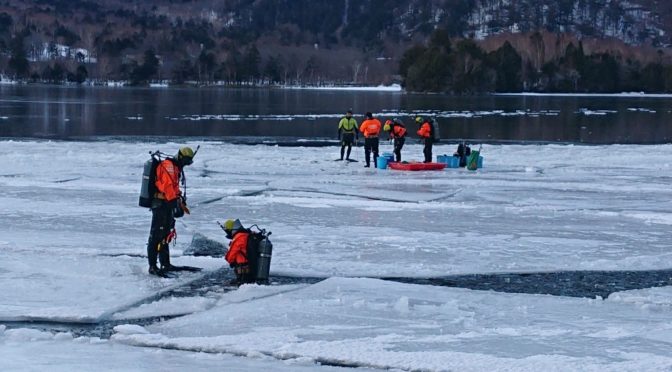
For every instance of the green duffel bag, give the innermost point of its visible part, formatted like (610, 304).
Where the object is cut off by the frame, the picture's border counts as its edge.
(472, 161)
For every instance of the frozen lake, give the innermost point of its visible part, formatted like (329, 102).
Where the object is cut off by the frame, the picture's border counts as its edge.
(72, 256)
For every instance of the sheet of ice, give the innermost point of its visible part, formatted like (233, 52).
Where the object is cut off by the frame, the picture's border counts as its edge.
(386, 325)
(614, 95)
(641, 109)
(384, 113)
(32, 350)
(656, 299)
(66, 216)
(379, 88)
(170, 306)
(588, 112)
(469, 114)
(78, 287)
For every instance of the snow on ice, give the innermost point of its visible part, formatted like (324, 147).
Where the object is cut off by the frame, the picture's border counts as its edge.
(72, 246)
(384, 325)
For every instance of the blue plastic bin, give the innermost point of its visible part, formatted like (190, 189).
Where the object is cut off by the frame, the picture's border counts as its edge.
(389, 156)
(454, 162)
(449, 160)
(381, 163)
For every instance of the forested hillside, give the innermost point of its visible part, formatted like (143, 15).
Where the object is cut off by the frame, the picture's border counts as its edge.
(478, 45)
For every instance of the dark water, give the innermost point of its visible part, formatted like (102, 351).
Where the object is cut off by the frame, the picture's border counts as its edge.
(223, 113)
(563, 283)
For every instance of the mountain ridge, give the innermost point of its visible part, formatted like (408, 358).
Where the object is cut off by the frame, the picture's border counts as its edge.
(301, 41)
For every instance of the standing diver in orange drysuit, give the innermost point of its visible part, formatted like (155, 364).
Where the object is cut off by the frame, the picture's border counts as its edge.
(398, 133)
(168, 204)
(236, 256)
(370, 128)
(426, 132)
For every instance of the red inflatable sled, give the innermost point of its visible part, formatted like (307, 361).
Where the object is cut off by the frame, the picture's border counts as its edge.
(416, 166)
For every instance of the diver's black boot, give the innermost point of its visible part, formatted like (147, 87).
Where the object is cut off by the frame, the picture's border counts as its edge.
(153, 270)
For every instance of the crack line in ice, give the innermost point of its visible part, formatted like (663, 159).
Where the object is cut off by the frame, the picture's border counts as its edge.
(68, 180)
(374, 198)
(284, 356)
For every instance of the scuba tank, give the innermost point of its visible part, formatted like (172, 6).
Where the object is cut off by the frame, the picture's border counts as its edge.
(436, 133)
(259, 252)
(264, 253)
(148, 186)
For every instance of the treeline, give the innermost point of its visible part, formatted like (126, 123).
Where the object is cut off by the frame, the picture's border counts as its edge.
(197, 41)
(237, 66)
(256, 42)
(465, 68)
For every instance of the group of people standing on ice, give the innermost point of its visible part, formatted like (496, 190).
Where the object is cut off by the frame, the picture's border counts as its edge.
(348, 134)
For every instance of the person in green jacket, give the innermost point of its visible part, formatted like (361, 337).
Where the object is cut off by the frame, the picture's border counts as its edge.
(347, 132)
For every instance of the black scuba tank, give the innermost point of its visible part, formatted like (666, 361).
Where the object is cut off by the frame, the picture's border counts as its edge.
(148, 184)
(259, 251)
(264, 253)
(436, 132)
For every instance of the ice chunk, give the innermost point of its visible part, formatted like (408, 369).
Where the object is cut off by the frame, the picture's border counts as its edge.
(130, 329)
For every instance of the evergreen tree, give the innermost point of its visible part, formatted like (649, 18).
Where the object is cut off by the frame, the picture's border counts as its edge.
(469, 72)
(653, 78)
(274, 70)
(6, 22)
(183, 72)
(409, 58)
(206, 65)
(507, 65)
(18, 63)
(233, 66)
(312, 64)
(251, 63)
(441, 40)
(146, 71)
(81, 74)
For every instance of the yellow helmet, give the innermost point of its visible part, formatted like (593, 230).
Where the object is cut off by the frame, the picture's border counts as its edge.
(418, 119)
(231, 227)
(228, 225)
(186, 155)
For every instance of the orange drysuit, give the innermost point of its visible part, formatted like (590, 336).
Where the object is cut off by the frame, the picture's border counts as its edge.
(237, 254)
(370, 128)
(168, 180)
(425, 130)
(397, 131)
